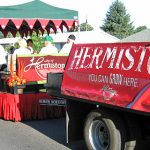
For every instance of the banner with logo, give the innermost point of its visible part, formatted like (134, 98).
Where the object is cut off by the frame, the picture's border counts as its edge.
(111, 73)
(35, 68)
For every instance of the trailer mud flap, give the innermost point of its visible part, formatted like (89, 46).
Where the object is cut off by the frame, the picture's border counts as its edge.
(76, 112)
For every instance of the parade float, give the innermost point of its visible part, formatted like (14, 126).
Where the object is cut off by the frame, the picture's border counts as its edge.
(23, 90)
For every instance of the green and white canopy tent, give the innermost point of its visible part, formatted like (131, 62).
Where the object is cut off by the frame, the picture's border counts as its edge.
(35, 16)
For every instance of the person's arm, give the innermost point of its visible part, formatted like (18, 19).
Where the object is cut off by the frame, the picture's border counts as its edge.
(66, 49)
(31, 49)
(42, 51)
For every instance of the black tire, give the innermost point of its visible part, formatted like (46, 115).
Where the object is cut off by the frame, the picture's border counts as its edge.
(103, 131)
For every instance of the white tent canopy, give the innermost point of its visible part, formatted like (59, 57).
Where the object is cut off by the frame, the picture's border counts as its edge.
(86, 37)
(98, 36)
(10, 41)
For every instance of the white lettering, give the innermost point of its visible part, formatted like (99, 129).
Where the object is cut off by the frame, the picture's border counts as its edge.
(130, 58)
(95, 57)
(109, 52)
(119, 59)
(78, 57)
(85, 57)
(130, 82)
(42, 65)
(141, 59)
(135, 58)
(115, 79)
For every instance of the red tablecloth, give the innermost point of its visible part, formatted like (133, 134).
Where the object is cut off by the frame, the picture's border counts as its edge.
(26, 107)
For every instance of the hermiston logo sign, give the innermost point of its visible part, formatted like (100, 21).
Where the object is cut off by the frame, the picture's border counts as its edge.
(119, 58)
(36, 68)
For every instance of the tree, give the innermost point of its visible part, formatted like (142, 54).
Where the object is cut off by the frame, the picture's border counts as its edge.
(117, 22)
(1, 35)
(38, 42)
(84, 27)
(140, 28)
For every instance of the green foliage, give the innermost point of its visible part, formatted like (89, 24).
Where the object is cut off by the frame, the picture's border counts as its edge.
(84, 27)
(1, 35)
(117, 22)
(140, 28)
(38, 43)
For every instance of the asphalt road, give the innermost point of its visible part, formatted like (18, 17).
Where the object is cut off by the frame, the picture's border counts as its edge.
(40, 135)
(36, 135)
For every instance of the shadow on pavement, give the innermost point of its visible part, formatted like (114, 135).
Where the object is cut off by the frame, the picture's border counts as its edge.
(56, 130)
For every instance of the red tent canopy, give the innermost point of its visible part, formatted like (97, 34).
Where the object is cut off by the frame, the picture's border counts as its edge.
(35, 16)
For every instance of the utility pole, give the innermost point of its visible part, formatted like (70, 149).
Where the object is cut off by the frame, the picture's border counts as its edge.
(86, 23)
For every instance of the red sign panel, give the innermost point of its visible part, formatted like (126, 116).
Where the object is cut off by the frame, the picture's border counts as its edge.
(111, 73)
(35, 68)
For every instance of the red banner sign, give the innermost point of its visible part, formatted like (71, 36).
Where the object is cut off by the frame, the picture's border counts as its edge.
(108, 73)
(35, 68)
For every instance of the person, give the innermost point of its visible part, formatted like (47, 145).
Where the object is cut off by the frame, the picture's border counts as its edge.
(3, 59)
(12, 49)
(30, 45)
(67, 47)
(22, 48)
(3, 63)
(3, 56)
(49, 48)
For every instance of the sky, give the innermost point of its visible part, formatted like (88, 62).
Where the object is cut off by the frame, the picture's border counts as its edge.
(95, 10)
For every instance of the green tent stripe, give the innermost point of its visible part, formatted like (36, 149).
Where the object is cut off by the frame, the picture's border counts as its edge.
(36, 9)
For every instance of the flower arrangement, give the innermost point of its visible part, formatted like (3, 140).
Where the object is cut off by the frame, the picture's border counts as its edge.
(16, 78)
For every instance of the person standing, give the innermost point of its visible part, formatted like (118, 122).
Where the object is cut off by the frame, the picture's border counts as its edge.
(67, 47)
(3, 63)
(22, 48)
(3, 56)
(3, 59)
(30, 45)
(49, 47)
(11, 50)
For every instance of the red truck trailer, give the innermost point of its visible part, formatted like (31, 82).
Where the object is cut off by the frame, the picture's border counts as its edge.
(107, 92)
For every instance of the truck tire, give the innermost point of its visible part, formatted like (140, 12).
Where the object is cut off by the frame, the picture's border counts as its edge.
(103, 131)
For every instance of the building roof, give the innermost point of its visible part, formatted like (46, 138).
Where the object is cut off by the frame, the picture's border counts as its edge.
(142, 36)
